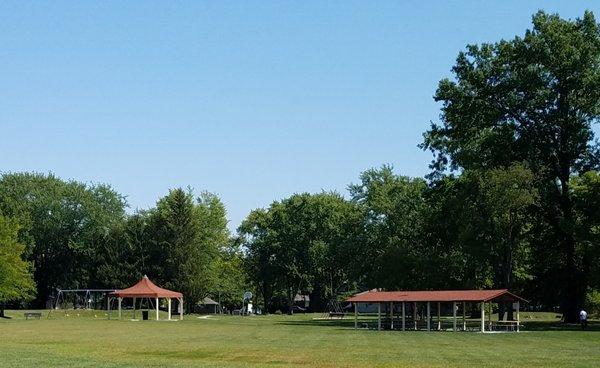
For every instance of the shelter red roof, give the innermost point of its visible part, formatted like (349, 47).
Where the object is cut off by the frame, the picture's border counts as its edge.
(435, 296)
(146, 289)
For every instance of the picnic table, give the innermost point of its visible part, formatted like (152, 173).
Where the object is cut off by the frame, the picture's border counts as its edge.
(28, 315)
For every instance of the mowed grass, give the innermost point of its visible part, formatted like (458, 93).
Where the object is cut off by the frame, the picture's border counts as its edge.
(278, 341)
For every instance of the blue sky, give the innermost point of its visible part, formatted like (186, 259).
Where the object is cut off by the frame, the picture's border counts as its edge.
(253, 101)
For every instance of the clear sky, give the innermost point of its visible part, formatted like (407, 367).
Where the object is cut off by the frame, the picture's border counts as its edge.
(251, 100)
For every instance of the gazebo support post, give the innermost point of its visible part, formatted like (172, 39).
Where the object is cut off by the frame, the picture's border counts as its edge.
(169, 308)
(482, 316)
(355, 316)
(134, 300)
(392, 316)
(518, 319)
(378, 316)
(428, 316)
(439, 322)
(108, 306)
(403, 317)
(120, 299)
(415, 315)
(157, 308)
(490, 317)
(181, 309)
(454, 316)
(464, 305)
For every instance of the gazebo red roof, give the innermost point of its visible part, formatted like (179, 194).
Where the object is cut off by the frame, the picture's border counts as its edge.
(146, 289)
(435, 296)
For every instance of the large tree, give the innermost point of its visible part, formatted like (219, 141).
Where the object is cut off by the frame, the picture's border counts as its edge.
(533, 99)
(16, 282)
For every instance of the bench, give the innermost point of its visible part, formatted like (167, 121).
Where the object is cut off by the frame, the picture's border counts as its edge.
(37, 315)
(505, 326)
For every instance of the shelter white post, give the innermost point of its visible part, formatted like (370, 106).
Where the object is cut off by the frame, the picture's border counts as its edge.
(464, 305)
(391, 315)
(157, 308)
(439, 322)
(181, 309)
(108, 306)
(490, 317)
(428, 316)
(169, 308)
(454, 316)
(378, 316)
(120, 299)
(403, 317)
(134, 299)
(482, 316)
(355, 316)
(518, 319)
(415, 315)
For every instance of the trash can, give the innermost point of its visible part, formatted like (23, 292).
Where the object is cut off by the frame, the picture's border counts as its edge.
(145, 315)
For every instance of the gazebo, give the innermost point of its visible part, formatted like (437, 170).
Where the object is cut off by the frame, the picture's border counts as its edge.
(409, 299)
(147, 289)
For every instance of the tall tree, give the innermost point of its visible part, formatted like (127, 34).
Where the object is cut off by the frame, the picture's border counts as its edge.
(529, 99)
(16, 282)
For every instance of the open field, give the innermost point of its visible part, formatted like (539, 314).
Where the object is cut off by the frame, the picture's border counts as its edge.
(280, 341)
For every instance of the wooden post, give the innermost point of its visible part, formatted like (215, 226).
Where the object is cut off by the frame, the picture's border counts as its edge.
(391, 316)
(518, 319)
(134, 306)
(108, 306)
(120, 299)
(157, 309)
(464, 318)
(181, 309)
(169, 308)
(415, 315)
(403, 317)
(439, 322)
(428, 316)
(378, 316)
(454, 316)
(355, 316)
(482, 316)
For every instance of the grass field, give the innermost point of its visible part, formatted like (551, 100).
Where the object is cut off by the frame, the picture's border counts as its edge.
(281, 341)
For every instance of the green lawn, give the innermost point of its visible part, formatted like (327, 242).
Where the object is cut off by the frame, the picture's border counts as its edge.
(279, 341)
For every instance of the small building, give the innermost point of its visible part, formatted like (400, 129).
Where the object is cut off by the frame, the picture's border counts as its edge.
(207, 306)
(412, 309)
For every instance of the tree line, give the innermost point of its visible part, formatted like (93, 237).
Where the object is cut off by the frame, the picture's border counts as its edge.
(511, 202)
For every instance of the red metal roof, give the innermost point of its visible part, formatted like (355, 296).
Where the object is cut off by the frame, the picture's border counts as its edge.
(435, 296)
(146, 289)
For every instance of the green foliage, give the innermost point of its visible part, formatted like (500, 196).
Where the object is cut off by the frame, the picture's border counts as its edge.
(15, 277)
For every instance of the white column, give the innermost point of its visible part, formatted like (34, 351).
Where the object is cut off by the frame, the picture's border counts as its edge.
(391, 316)
(490, 317)
(355, 316)
(379, 316)
(454, 316)
(428, 316)
(181, 309)
(108, 306)
(120, 299)
(482, 316)
(134, 299)
(439, 324)
(415, 315)
(464, 305)
(169, 308)
(518, 319)
(403, 317)
(157, 309)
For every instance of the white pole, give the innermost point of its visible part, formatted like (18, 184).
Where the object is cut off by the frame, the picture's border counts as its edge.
(108, 306)
(355, 316)
(157, 309)
(464, 318)
(518, 307)
(134, 307)
(403, 317)
(439, 324)
(181, 309)
(415, 315)
(490, 317)
(482, 316)
(169, 308)
(120, 299)
(391, 315)
(379, 316)
(428, 316)
(454, 316)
